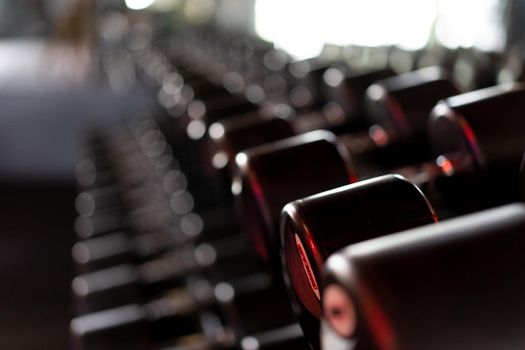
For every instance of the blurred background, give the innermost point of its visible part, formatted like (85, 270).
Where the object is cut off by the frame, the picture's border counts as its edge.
(65, 66)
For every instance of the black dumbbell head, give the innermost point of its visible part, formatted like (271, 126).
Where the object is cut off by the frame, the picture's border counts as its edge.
(274, 174)
(400, 106)
(477, 138)
(315, 227)
(454, 285)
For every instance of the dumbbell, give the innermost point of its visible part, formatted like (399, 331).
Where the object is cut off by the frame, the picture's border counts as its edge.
(140, 326)
(119, 247)
(175, 315)
(314, 227)
(307, 82)
(89, 176)
(346, 95)
(437, 55)
(218, 259)
(404, 60)
(97, 199)
(455, 285)
(478, 146)
(474, 68)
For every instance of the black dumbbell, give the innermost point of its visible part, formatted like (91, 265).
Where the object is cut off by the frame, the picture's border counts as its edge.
(478, 145)
(314, 227)
(455, 285)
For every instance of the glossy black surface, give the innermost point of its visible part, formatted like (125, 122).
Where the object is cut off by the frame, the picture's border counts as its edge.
(480, 133)
(401, 105)
(328, 221)
(455, 285)
(277, 173)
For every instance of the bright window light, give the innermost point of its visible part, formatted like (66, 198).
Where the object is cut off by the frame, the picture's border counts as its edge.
(292, 25)
(138, 4)
(470, 23)
(301, 27)
(406, 23)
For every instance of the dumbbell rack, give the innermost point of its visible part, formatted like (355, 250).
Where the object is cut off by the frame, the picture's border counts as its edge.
(164, 261)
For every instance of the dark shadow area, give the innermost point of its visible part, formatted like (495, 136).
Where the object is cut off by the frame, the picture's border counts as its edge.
(36, 222)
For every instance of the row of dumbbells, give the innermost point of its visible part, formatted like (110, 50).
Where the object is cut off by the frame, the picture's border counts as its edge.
(469, 161)
(149, 279)
(220, 53)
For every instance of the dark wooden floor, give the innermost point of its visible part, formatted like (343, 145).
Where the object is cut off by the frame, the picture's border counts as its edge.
(35, 265)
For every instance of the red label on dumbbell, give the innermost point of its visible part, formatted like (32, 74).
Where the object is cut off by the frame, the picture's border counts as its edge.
(307, 267)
